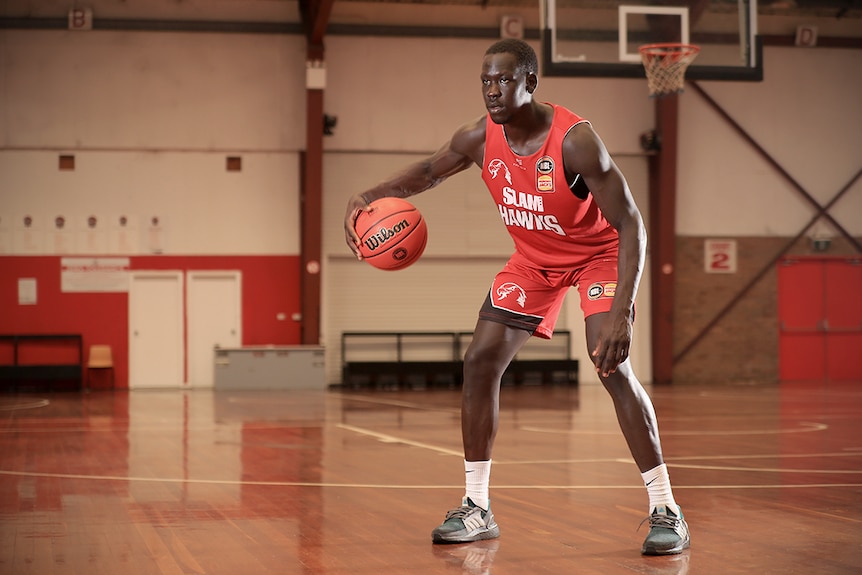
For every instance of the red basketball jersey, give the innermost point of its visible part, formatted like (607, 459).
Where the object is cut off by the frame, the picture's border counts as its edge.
(552, 228)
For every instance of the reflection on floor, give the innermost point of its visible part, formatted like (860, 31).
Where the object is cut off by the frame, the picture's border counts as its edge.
(330, 482)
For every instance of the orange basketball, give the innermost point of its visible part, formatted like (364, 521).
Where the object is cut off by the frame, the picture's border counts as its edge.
(392, 234)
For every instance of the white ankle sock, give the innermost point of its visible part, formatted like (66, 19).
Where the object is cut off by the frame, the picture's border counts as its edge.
(658, 487)
(478, 475)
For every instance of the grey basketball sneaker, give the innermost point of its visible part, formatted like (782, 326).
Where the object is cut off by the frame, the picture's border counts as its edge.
(466, 523)
(668, 533)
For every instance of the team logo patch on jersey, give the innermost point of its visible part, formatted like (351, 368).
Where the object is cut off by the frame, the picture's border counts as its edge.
(509, 288)
(601, 289)
(545, 174)
(494, 169)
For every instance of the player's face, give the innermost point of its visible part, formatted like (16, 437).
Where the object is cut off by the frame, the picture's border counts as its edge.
(504, 87)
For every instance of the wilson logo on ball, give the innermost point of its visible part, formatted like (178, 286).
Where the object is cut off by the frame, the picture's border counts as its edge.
(384, 235)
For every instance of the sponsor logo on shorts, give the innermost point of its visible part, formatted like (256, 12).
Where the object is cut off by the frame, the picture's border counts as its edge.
(508, 288)
(601, 289)
(545, 174)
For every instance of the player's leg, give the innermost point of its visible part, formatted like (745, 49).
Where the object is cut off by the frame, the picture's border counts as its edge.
(521, 302)
(633, 406)
(637, 419)
(492, 348)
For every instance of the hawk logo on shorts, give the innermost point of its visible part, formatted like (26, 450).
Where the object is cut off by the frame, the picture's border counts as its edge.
(601, 289)
(507, 288)
(494, 169)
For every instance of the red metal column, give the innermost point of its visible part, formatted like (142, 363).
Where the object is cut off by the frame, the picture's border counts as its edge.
(311, 217)
(315, 17)
(662, 236)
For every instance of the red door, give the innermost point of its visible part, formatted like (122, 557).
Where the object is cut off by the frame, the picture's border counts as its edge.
(820, 319)
(843, 320)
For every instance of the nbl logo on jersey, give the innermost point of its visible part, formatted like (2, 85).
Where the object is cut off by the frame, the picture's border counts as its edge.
(545, 174)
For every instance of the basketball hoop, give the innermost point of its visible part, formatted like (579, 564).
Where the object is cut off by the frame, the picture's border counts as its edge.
(665, 66)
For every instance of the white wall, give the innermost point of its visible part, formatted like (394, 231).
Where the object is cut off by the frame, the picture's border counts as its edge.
(162, 90)
(225, 10)
(151, 118)
(805, 114)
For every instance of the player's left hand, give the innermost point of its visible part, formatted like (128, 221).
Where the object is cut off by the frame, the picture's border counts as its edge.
(613, 345)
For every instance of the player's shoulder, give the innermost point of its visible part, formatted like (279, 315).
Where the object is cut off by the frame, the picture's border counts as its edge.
(470, 136)
(566, 116)
(581, 146)
(473, 128)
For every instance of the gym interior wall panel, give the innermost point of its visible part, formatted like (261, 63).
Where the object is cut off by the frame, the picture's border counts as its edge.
(201, 207)
(805, 115)
(142, 90)
(389, 95)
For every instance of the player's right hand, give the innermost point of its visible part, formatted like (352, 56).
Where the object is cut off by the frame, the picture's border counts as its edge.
(355, 205)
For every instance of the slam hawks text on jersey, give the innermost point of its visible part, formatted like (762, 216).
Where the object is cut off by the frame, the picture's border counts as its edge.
(536, 203)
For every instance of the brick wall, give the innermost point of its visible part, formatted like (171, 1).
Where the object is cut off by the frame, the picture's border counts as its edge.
(742, 346)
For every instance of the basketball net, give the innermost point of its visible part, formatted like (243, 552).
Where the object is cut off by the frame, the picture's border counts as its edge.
(665, 66)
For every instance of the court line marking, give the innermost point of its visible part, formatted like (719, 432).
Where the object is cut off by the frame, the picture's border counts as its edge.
(400, 403)
(20, 405)
(763, 469)
(124, 426)
(805, 427)
(386, 438)
(131, 479)
(769, 456)
(672, 462)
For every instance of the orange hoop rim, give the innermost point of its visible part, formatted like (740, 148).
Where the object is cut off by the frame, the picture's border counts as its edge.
(668, 48)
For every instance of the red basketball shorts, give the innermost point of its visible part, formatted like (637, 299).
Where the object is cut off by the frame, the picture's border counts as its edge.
(527, 298)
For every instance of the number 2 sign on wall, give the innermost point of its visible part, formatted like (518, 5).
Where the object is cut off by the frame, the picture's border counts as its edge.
(719, 256)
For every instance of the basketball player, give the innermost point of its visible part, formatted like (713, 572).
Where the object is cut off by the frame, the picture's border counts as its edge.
(570, 213)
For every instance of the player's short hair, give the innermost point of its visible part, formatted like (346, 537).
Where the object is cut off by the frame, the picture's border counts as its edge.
(523, 52)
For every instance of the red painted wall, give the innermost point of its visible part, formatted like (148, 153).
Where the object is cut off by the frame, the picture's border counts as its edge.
(270, 285)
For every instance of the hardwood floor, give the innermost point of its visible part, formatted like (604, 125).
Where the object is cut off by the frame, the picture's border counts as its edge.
(338, 482)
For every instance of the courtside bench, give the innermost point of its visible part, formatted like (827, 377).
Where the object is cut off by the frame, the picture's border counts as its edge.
(38, 360)
(434, 358)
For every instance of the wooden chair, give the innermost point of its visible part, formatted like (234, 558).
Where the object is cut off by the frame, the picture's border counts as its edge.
(100, 359)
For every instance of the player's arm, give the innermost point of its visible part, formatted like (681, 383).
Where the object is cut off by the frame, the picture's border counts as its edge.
(464, 149)
(585, 153)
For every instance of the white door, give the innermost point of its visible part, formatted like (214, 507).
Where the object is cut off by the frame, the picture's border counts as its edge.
(214, 308)
(156, 350)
